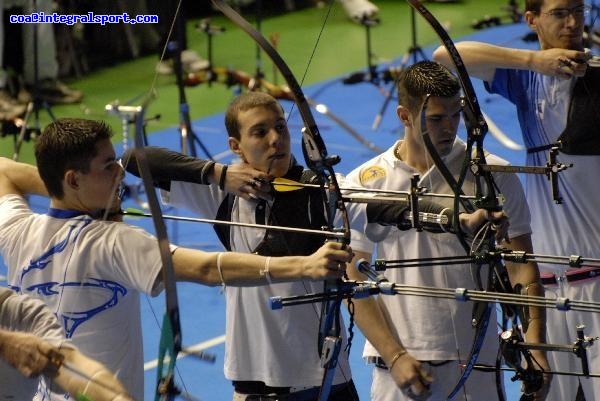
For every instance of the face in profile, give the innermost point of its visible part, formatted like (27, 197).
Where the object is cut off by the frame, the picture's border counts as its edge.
(442, 116)
(264, 140)
(99, 187)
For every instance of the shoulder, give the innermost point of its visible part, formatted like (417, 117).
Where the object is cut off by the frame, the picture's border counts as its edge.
(14, 202)
(120, 231)
(373, 171)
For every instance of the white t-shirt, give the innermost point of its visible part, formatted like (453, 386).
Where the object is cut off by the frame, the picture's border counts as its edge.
(278, 347)
(427, 326)
(26, 314)
(90, 273)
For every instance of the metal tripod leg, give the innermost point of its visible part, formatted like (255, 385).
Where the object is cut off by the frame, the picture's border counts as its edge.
(32, 110)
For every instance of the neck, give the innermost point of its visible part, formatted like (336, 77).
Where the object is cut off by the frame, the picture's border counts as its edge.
(412, 151)
(66, 204)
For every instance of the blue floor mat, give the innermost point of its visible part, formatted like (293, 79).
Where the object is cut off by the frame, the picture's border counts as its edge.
(202, 308)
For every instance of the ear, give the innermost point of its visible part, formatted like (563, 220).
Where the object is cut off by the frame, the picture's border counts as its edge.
(71, 179)
(531, 20)
(404, 116)
(234, 146)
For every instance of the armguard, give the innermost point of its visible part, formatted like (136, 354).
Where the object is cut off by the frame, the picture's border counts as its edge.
(167, 165)
(434, 217)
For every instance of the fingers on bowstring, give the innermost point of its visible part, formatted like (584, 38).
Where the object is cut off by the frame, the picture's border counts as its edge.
(573, 66)
(251, 190)
(337, 266)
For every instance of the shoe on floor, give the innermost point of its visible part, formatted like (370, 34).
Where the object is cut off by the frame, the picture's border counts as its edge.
(10, 108)
(357, 10)
(190, 60)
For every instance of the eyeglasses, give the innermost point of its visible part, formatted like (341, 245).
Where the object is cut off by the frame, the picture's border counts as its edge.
(562, 13)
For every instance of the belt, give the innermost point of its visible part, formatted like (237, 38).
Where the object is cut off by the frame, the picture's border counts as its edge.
(377, 361)
(380, 363)
(584, 273)
(288, 393)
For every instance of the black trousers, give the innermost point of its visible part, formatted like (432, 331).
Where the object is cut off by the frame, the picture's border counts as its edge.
(258, 391)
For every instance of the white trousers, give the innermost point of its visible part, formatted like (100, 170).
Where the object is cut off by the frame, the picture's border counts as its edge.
(479, 385)
(562, 330)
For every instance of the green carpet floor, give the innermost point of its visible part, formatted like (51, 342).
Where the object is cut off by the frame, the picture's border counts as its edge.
(317, 43)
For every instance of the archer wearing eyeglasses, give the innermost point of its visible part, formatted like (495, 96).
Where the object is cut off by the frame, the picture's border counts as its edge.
(556, 91)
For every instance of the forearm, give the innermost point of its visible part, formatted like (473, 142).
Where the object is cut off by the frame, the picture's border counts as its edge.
(5, 344)
(482, 59)
(20, 178)
(235, 268)
(91, 378)
(166, 166)
(527, 278)
(433, 217)
(370, 318)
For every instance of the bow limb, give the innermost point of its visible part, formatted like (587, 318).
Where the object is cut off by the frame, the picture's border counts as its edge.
(476, 130)
(314, 149)
(170, 341)
(317, 159)
(296, 91)
(474, 116)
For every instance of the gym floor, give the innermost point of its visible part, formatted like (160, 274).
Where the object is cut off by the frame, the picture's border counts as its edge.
(341, 50)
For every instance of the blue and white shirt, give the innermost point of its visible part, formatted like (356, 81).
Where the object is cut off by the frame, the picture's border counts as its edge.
(90, 273)
(572, 227)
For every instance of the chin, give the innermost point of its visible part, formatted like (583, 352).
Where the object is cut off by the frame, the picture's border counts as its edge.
(280, 167)
(571, 43)
(279, 172)
(444, 151)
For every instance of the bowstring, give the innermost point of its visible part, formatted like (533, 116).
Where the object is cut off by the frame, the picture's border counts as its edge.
(345, 375)
(313, 52)
(431, 168)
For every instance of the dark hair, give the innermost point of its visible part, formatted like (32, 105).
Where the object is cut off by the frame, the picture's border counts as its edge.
(533, 5)
(247, 101)
(425, 78)
(67, 144)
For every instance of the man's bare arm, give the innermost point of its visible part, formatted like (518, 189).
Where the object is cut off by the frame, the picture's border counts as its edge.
(371, 320)
(67, 368)
(242, 269)
(482, 60)
(20, 178)
(528, 277)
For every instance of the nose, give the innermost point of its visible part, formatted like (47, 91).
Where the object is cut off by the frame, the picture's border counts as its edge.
(275, 137)
(570, 19)
(449, 124)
